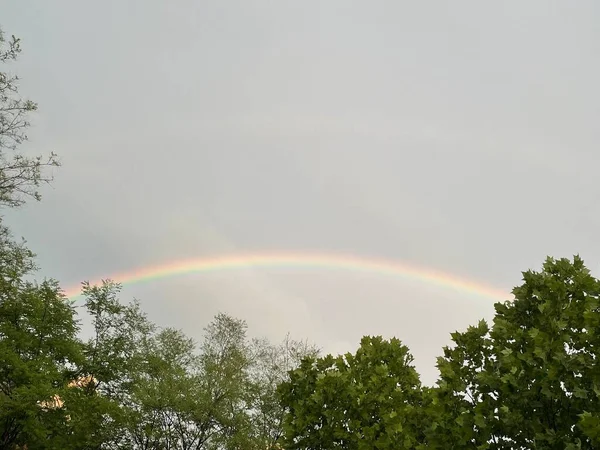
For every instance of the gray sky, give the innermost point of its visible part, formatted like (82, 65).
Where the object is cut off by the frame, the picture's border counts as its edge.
(461, 136)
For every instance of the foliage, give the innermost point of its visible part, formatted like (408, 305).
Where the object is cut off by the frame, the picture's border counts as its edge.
(271, 366)
(113, 356)
(38, 348)
(164, 395)
(188, 400)
(363, 401)
(20, 175)
(532, 379)
(130, 385)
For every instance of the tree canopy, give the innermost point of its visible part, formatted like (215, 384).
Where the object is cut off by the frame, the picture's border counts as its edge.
(531, 380)
(370, 399)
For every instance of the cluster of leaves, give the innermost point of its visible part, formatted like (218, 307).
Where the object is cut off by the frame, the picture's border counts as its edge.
(363, 401)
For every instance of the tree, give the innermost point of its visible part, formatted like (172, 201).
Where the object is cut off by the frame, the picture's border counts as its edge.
(271, 365)
(114, 358)
(369, 400)
(192, 398)
(20, 175)
(165, 395)
(532, 380)
(114, 351)
(225, 382)
(38, 351)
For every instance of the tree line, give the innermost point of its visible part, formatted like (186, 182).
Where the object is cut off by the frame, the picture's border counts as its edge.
(530, 379)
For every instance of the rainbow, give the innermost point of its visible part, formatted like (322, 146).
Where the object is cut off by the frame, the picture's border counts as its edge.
(299, 261)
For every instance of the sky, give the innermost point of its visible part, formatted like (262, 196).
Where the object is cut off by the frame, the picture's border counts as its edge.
(457, 136)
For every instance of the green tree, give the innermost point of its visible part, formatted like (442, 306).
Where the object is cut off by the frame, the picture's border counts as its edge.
(532, 380)
(165, 395)
(38, 351)
(271, 365)
(114, 357)
(20, 175)
(190, 397)
(225, 361)
(119, 333)
(369, 400)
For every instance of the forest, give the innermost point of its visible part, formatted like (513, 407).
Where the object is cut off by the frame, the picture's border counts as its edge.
(529, 379)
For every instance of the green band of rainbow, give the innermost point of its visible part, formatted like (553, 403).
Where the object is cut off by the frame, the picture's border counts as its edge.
(301, 260)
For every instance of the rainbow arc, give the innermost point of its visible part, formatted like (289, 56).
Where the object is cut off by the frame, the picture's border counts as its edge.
(322, 261)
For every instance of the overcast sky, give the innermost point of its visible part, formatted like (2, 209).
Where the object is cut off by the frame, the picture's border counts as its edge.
(461, 136)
